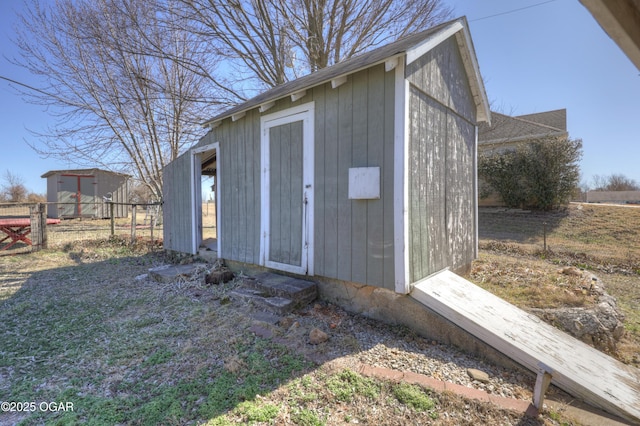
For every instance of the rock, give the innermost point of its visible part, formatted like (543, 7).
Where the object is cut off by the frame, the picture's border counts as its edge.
(600, 326)
(478, 375)
(570, 270)
(286, 322)
(219, 276)
(317, 336)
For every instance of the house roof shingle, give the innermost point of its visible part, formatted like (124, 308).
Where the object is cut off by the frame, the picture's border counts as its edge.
(505, 128)
(362, 61)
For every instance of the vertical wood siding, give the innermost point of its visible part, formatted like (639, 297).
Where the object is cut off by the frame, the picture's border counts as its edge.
(440, 73)
(176, 210)
(353, 128)
(239, 187)
(442, 163)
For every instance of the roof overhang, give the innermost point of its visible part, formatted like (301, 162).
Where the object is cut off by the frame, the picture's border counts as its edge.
(296, 88)
(620, 19)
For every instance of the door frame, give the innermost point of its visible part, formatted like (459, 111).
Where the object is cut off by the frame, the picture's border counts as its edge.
(304, 113)
(196, 195)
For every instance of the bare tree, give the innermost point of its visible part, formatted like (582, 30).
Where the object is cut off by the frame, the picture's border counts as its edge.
(110, 74)
(274, 41)
(13, 189)
(614, 182)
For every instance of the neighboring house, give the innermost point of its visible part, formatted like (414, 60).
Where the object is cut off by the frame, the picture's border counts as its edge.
(508, 132)
(363, 172)
(83, 193)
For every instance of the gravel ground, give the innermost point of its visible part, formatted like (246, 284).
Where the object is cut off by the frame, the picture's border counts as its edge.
(355, 339)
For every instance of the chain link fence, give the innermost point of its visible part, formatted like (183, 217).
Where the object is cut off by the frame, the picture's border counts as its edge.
(590, 231)
(25, 227)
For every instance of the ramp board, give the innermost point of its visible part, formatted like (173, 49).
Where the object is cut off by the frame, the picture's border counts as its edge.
(577, 368)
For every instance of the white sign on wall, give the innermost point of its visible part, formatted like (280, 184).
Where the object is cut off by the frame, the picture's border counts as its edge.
(364, 183)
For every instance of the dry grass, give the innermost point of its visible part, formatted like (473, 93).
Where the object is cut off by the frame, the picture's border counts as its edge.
(602, 239)
(78, 327)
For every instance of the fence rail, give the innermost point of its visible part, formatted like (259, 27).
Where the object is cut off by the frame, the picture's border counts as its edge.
(24, 227)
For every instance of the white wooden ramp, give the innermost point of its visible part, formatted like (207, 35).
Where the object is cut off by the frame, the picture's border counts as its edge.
(575, 367)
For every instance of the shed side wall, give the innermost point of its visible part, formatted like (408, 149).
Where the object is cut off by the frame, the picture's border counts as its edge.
(176, 212)
(441, 163)
(353, 128)
(117, 185)
(240, 186)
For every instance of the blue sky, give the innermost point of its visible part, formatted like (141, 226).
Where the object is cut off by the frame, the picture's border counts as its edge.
(549, 56)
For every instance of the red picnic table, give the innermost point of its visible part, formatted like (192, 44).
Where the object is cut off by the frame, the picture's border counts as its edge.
(17, 228)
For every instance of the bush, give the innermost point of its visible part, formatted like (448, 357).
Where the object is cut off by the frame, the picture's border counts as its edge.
(542, 174)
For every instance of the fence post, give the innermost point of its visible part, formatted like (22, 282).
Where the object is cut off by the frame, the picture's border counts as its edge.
(38, 220)
(151, 224)
(113, 219)
(133, 223)
(544, 234)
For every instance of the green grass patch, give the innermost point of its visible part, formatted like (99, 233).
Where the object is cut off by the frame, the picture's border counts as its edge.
(305, 417)
(348, 384)
(413, 396)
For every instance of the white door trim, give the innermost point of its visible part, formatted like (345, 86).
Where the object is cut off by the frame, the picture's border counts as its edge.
(304, 113)
(196, 195)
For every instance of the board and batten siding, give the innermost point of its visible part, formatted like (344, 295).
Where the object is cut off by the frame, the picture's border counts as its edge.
(176, 211)
(441, 163)
(353, 128)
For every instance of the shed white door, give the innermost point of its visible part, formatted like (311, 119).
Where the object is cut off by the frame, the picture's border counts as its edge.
(287, 191)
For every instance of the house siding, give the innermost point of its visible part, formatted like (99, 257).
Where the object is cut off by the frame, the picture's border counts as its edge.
(441, 163)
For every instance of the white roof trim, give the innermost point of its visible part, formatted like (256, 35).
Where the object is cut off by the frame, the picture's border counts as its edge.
(431, 42)
(238, 116)
(338, 81)
(298, 95)
(473, 71)
(267, 106)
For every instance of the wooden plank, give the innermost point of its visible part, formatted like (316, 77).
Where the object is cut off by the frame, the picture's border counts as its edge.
(256, 189)
(241, 194)
(579, 369)
(345, 120)
(319, 180)
(275, 202)
(417, 192)
(330, 214)
(296, 219)
(388, 182)
(375, 157)
(359, 159)
(460, 191)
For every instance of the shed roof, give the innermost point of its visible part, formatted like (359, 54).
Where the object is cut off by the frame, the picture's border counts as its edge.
(505, 128)
(81, 172)
(413, 46)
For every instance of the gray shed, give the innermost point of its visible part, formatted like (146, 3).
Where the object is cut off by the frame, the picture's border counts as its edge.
(364, 171)
(83, 193)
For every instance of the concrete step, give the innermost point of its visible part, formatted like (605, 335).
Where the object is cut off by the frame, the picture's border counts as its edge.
(277, 293)
(275, 304)
(299, 291)
(170, 273)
